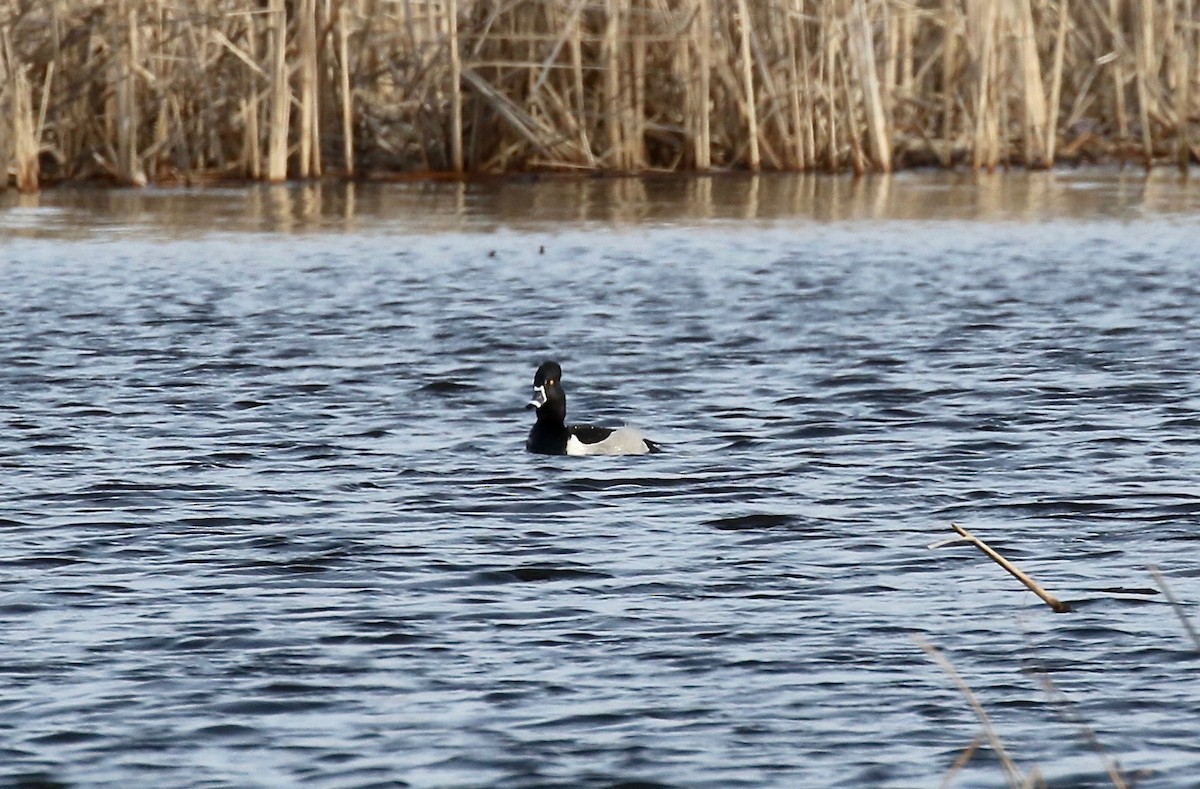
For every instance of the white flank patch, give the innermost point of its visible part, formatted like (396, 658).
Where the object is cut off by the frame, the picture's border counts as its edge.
(622, 441)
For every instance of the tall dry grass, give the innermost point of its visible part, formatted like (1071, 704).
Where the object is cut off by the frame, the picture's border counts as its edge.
(160, 90)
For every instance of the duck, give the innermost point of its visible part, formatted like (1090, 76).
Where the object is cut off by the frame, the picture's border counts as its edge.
(551, 435)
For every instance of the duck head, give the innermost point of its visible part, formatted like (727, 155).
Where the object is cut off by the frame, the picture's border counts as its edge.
(547, 389)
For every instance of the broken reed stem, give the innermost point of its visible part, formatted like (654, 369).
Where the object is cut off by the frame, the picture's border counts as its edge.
(1067, 711)
(963, 759)
(1176, 605)
(1058, 606)
(185, 88)
(1013, 773)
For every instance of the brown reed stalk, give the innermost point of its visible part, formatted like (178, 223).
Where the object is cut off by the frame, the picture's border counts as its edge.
(1144, 48)
(1161, 581)
(950, 26)
(19, 141)
(963, 759)
(749, 108)
(829, 84)
(1056, 79)
(849, 100)
(1117, 53)
(983, 19)
(772, 124)
(582, 109)
(1035, 130)
(638, 107)
(906, 51)
(309, 155)
(347, 97)
(889, 62)
(808, 88)
(456, 117)
(795, 98)
(1011, 772)
(7, 129)
(612, 85)
(280, 93)
(1184, 57)
(1067, 712)
(878, 130)
(252, 104)
(703, 42)
(8, 108)
(25, 140)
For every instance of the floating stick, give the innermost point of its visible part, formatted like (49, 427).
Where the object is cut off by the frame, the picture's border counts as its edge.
(1050, 600)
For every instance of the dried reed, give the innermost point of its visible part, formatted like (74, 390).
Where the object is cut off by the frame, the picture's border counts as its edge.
(1161, 581)
(1013, 774)
(1057, 605)
(161, 90)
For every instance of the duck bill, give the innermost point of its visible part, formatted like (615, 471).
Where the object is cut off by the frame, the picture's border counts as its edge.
(539, 398)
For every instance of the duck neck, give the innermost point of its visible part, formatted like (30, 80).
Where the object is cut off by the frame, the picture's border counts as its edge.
(552, 414)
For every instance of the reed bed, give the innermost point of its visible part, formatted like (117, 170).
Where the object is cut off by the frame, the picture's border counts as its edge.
(182, 90)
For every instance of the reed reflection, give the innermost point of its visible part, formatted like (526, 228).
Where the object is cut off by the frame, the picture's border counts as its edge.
(550, 202)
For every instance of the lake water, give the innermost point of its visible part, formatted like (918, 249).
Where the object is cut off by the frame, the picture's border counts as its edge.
(268, 519)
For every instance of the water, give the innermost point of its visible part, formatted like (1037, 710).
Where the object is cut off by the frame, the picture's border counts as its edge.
(268, 520)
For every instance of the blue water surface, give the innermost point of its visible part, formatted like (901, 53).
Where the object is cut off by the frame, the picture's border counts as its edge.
(267, 517)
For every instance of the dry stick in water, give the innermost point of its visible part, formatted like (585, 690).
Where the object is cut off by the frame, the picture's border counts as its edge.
(1058, 606)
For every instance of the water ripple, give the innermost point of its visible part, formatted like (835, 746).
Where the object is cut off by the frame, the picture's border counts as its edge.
(269, 519)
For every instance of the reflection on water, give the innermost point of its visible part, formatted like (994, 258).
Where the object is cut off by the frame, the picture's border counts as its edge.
(537, 201)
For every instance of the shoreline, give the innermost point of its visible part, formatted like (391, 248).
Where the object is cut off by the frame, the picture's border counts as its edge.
(216, 180)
